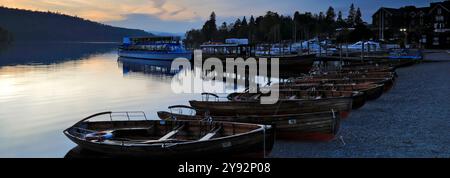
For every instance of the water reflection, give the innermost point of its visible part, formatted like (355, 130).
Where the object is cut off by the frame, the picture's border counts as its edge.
(45, 88)
(162, 69)
(148, 67)
(20, 53)
(43, 95)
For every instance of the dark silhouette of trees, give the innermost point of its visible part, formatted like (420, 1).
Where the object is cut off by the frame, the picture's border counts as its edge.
(351, 16)
(361, 32)
(26, 25)
(340, 22)
(5, 36)
(274, 28)
(194, 38)
(358, 17)
(209, 28)
(331, 15)
(252, 29)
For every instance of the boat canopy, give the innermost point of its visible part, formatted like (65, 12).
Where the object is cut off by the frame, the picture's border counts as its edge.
(154, 40)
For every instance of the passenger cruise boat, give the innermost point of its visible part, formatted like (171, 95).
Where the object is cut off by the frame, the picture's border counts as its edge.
(154, 48)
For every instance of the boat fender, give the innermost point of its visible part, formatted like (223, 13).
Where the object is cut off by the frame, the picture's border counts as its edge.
(99, 136)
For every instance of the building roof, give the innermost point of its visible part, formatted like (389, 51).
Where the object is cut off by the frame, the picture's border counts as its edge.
(408, 9)
(445, 5)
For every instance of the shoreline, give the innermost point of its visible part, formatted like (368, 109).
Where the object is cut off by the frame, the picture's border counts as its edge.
(410, 121)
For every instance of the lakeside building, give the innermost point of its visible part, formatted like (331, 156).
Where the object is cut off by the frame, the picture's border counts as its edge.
(427, 27)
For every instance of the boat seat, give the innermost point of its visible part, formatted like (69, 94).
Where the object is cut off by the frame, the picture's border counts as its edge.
(171, 133)
(210, 134)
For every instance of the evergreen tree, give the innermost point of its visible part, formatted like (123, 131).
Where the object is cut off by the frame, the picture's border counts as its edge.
(358, 17)
(244, 21)
(275, 28)
(331, 15)
(209, 28)
(243, 31)
(351, 16)
(340, 22)
(361, 32)
(321, 16)
(223, 32)
(252, 29)
(236, 27)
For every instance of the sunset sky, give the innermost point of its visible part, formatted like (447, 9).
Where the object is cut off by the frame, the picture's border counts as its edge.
(177, 16)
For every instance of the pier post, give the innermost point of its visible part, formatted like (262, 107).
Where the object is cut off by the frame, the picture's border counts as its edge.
(270, 48)
(362, 51)
(290, 47)
(301, 47)
(346, 50)
(281, 49)
(307, 44)
(320, 48)
(340, 56)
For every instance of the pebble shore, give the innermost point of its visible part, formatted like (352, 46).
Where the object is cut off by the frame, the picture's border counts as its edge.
(412, 120)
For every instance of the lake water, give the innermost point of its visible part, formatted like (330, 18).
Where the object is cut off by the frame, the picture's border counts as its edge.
(46, 88)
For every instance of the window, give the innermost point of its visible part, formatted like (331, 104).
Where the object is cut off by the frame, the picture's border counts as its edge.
(436, 41)
(439, 25)
(439, 11)
(424, 39)
(439, 18)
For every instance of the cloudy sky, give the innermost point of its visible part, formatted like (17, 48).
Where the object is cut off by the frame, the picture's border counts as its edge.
(177, 16)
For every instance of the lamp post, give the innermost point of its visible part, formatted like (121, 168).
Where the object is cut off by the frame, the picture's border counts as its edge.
(405, 32)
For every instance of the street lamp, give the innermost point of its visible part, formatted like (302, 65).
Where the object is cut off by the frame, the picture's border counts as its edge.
(404, 30)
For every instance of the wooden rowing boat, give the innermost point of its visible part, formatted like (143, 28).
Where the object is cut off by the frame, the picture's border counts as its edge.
(369, 68)
(371, 91)
(299, 63)
(164, 139)
(391, 63)
(343, 105)
(358, 97)
(388, 83)
(339, 75)
(320, 126)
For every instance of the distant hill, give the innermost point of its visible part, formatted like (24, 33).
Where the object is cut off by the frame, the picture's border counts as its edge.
(5, 36)
(25, 25)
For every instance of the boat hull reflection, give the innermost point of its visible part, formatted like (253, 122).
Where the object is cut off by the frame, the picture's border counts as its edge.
(151, 67)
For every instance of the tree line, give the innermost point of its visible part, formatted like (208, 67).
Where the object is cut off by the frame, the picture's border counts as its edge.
(5, 36)
(273, 28)
(27, 25)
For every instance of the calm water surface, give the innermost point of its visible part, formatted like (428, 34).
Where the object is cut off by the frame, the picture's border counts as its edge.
(46, 88)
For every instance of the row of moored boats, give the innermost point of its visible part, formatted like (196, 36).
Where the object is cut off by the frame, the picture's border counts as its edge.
(310, 108)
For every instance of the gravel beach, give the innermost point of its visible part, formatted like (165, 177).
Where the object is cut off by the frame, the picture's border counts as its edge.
(412, 120)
